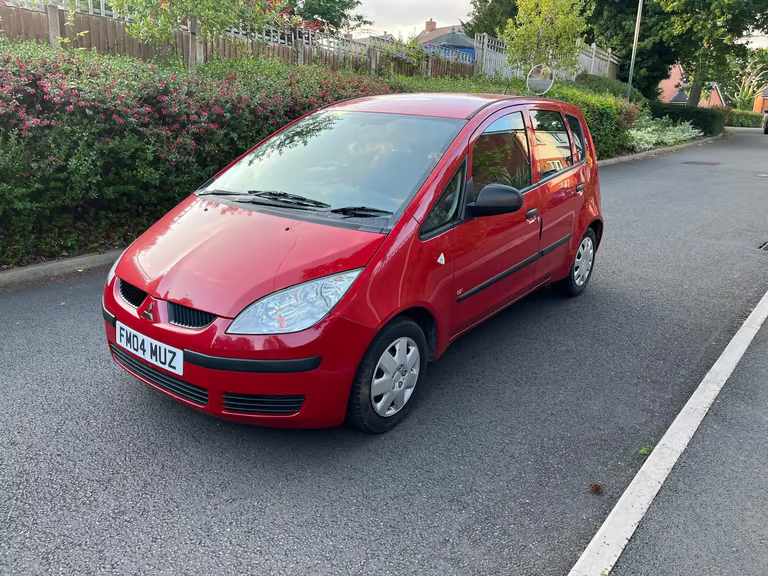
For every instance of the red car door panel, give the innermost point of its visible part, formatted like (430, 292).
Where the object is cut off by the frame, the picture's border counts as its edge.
(561, 189)
(494, 253)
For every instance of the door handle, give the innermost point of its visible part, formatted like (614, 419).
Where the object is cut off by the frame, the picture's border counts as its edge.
(532, 213)
(580, 187)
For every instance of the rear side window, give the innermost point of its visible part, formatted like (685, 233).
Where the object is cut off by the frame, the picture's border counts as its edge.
(578, 137)
(501, 155)
(552, 142)
(446, 210)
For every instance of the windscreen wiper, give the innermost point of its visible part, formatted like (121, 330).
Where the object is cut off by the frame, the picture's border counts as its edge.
(220, 193)
(361, 212)
(288, 198)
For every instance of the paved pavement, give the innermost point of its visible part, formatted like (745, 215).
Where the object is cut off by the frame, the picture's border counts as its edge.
(711, 516)
(489, 475)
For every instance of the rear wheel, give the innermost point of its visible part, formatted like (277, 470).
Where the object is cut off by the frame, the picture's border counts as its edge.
(393, 366)
(581, 267)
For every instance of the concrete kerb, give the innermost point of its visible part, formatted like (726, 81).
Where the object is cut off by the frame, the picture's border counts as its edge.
(660, 152)
(69, 265)
(57, 268)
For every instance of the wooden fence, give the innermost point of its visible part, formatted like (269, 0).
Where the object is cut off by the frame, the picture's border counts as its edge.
(95, 25)
(492, 61)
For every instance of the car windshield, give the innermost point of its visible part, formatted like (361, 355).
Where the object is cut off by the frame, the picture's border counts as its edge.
(345, 159)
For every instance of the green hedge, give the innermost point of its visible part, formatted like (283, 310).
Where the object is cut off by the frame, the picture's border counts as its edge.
(711, 121)
(743, 119)
(603, 85)
(93, 148)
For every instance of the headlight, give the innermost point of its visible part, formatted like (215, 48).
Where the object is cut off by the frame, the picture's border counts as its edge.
(294, 309)
(111, 275)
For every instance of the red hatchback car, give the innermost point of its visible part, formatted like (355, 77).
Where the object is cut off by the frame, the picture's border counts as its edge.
(312, 280)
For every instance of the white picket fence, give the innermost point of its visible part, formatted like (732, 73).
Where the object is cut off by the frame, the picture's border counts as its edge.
(491, 55)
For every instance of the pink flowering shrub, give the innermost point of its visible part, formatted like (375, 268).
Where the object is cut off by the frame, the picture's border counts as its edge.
(93, 149)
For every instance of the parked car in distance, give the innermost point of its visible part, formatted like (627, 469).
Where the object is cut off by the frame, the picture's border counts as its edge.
(765, 121)
(312, 280)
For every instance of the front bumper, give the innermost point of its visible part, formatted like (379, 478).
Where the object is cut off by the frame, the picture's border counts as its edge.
(299, 380)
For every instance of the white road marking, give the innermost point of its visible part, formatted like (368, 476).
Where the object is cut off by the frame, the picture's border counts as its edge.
(609, 542)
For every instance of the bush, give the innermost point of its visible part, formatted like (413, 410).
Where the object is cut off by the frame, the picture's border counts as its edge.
(649, 133)
(95, 148)
(743, 119)
(711, 121)
(603, 85)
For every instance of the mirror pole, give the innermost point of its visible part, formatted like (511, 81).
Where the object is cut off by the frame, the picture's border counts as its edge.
(634, 49)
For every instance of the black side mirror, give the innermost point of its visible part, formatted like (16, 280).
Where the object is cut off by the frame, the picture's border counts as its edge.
(497, 199)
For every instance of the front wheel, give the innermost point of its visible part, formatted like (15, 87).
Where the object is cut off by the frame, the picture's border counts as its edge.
(393, 366)
(581, 267)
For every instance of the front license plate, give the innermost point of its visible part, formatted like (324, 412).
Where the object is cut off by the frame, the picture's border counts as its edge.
(154, 352)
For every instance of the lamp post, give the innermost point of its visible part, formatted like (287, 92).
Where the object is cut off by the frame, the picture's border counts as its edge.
(634, 48)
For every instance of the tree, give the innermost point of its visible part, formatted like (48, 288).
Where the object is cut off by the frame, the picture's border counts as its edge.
(155, 21)
(612, 25)
(748, 79)
(710, 29)
(490, 17)
(339, 14)
(546, 32)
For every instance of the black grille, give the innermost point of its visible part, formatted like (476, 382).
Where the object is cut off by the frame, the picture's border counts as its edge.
(187, 391)
(273, 405)
(188, 317)
(131, 294)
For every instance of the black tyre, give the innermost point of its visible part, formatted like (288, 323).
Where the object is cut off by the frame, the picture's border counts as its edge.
(581, 268)
(392, 368)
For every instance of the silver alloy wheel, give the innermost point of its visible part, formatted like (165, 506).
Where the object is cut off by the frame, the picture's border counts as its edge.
(395, 377)
(582, 266)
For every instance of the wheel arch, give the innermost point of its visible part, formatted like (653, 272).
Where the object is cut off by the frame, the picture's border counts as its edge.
(597, 227)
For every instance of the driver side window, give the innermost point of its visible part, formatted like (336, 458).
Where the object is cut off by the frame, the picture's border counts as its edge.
(501, 155)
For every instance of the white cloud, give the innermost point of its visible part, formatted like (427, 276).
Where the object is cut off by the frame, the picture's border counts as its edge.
(408, 16)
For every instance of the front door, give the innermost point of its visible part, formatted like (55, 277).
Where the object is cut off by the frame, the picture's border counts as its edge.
(494, 253)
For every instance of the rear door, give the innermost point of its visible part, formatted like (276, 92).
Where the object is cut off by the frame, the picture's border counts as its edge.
(494, 254)
(559, 166)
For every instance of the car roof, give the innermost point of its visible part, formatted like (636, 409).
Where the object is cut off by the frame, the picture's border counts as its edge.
(439, 105)
(436, 104)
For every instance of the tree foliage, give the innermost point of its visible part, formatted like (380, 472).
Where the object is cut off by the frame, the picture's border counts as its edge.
(705, 32)
(612, 25)
(490, 17)
(546, 32)
(702, 34)
(155, 22)
(341, 14)
(749, 81)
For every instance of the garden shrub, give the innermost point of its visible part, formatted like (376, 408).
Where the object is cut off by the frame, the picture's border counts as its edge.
(743, 119)
(95, 148)
(648, 133)
(711, 121)
(612, 86)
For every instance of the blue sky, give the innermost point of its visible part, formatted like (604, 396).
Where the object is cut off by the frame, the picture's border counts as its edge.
(407, 16)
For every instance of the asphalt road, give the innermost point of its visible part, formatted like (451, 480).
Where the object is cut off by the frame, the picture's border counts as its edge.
(100, 474)
(711, 516)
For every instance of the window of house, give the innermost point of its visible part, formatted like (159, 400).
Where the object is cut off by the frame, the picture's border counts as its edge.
(552, 142)
(578, 136)
(501, 155)
(446, 210)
